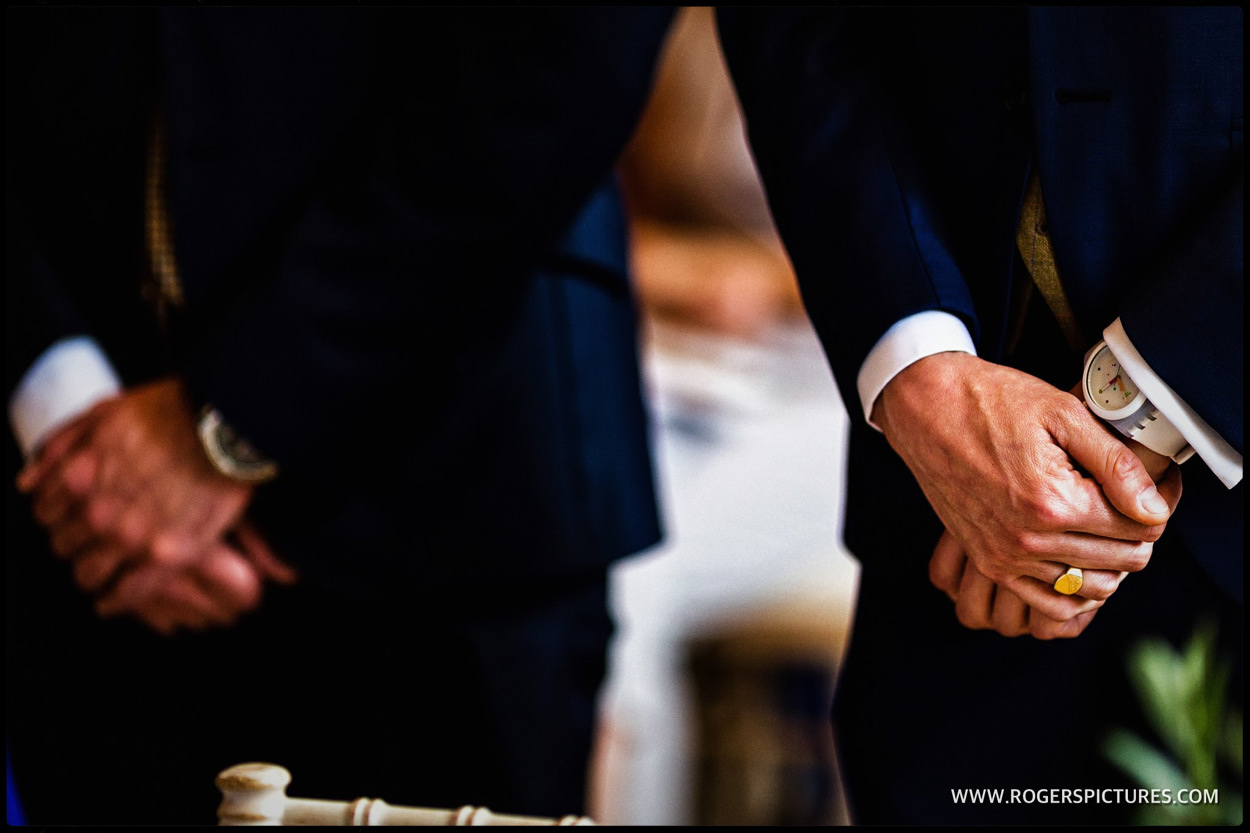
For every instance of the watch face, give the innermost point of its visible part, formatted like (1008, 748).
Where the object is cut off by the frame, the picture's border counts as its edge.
(1106, 385)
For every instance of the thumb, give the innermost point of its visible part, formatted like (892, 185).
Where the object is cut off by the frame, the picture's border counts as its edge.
(1122, 476)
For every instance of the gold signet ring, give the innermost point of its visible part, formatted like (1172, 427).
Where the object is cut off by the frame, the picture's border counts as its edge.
(1070, 582)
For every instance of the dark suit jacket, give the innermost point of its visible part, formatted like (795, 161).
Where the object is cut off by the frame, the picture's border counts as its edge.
(386, 290)
(896, 146)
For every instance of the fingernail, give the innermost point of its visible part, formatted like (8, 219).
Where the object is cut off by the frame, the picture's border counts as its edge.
(1153, 502)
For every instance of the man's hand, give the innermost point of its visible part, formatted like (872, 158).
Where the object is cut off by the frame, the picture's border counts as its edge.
(128, 496)
(1002, 457)
(212, 591)
(131, 474)
(982, 605)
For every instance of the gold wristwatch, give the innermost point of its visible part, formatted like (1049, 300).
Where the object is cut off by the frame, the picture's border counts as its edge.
(230, 453)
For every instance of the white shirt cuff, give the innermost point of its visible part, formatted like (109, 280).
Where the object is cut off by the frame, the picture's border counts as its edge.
(1214, 450)
(905, 343)
(70, 377)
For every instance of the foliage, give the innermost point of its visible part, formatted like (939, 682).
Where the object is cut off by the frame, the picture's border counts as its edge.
(1184, 695)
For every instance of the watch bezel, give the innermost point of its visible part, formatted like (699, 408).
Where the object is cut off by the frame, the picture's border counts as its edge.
(1134, 405)
(222, 447)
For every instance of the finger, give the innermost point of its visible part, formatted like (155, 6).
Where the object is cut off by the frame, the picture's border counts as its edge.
(1050, 603)
(256, 549)
(158, 620)
(70, 536)
(135, 528)
(1095, 584)
(64, 487)
(167, 618)
(194, 526)
(194, 603)
(227, 577)
(175, 548)
(1043, 627)
(1089, 552)
(975, 601)
(85, 527)
(1169, 486)
(159, 596)
(1123, 477)
(136, 589)
(50, 454)
(1156, 464)
(97, 568)
(1085, 507)
(1009, 615)
(946, 565)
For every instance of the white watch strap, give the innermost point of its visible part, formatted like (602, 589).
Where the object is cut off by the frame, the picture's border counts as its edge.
(1155, 431)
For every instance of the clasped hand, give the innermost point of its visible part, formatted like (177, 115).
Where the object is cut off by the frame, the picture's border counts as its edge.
(1027, 483)
(151, 529)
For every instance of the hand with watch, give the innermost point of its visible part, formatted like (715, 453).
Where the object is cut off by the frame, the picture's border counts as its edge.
(148, 504)
(1114, 398)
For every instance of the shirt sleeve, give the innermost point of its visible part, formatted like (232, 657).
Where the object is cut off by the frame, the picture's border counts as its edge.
(1214, 450)
(65, 381)
(906, 343)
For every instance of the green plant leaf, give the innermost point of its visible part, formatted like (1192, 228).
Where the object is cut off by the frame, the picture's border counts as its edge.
(1149, 766)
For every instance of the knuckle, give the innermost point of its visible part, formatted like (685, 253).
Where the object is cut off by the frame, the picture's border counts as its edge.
(1050, 510)
(1000, 573)
(1138, 557)
(968, 619)
(1069, 410)
(1044, 632)
(1100, 591)
(79, 474)
(1122, 461)
(1030, 542)
(167, 549)
(1010, 631)
(1154, 533)
(99, 518)
(133, 529)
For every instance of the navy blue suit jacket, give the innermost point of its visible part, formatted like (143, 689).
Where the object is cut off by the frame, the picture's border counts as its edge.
(896, 146)
(403, 261)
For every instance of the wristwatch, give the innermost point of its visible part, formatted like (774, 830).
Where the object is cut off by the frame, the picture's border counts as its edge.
(229, 453)
(1114, 398)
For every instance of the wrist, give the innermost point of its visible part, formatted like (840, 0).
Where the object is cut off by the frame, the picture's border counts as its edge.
(920, 385)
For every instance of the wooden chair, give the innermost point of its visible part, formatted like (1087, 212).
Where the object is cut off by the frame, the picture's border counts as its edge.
(255, 794)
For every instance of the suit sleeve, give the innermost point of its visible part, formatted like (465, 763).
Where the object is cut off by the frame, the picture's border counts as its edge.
(71, 180)
(1187, 319)
(841, 179)
(411, 245)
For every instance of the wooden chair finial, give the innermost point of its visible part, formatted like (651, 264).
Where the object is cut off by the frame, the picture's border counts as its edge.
(253, 794)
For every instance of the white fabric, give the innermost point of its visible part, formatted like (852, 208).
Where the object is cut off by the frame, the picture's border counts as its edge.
(70, 377)
(905, 343)
(1206, 443)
